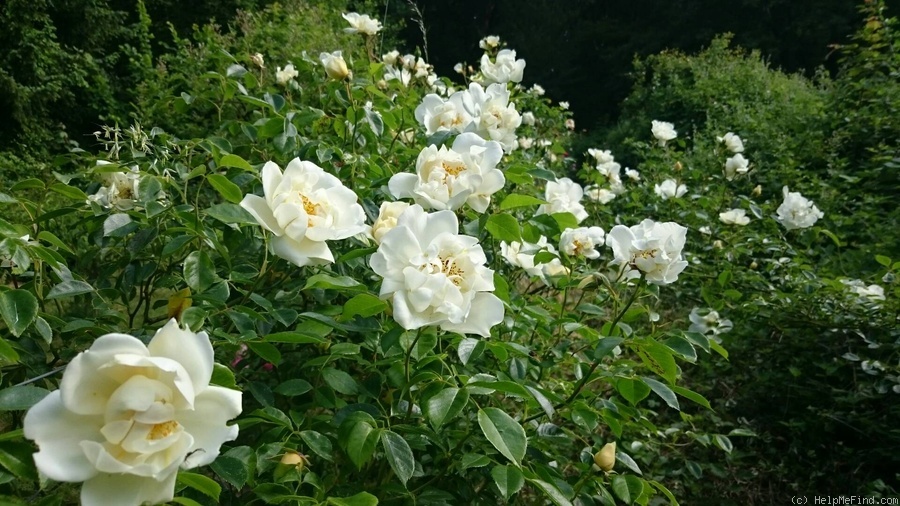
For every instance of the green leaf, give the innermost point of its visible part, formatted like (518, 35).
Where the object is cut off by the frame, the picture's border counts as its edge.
(235, 471)
(230, 213)
(360, 499)
(716, 347)
(506, 434)
(27, 184)
(267, 351)
(469, 348)
(326, 281)
(199, 271)
(293, 387)
(515, 200)
(723, 442)
(69, 191)
(69, 288)
(509, 480)
(230, 191)
(318, 443)
(504, 227)
(116, 225)
(666, 492)
(605, 346)
(222, 376)
(444, 406)
(399, 455)
(18, 308)
(365, 305)
(340, 381)
(662, 390)
(471, 460)
(20, 398)
(46, 236)
(8, 354)
(633, 390)
(17, 458)
(694, 396)
(200, 483)
(235, 161)
(360, 442)
(627, 487)
(658, 358)
(294, 337)
(551, 491)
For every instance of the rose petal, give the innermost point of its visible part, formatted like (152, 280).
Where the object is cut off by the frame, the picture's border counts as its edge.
(84, 389)
(213, 408)
(127, 490)
(193, 351)
(487, 311)
(303, 252)
(58, 433)
(259, 208)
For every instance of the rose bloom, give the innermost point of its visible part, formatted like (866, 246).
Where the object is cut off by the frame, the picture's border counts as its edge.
(489, 42)
(872, 292)
(633, 174)
(601, 156)
(521, 254)
(597, 194)
(732, 142)
(448, 178)
(387, 218)
(581, 242)
(303, 208)
(734, 217)
(670, 189)
(504, 69)
(335, 66)
(361, 23)
(707, 321)
(528, 118)
(570, 124)
(127, 416)
(651, 248)
(436, 277)
(735, 165)
(537, 89)
(526, 142)
(663, 131)
(797, 211)
(437, 114)
(120, 190)
(283, 76)
(495, 118)
(563, 196)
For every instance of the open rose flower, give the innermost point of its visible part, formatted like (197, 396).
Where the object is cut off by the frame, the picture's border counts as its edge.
(564, 196)
(303, 208)
(437, 114)
(448, 178)
(522, 254)
(128, 415)
(436, 277)
(361, 23)
(735, 165)
(670, 189)
(504, 69)
(732, 142)
(663, 131)
(651, 248)
(797, 211)
(582, 241)
(734, 217)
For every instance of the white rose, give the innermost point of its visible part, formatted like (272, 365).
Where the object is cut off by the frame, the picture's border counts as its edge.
(391, 57)
(564, 106)
(663, 131)
(303, 208)
(564, 196)
(504, 69)
(361, 23)
(873, 292)
(335, 66)
(434, 276)
(387, 218)
(597, 194)
(670, 189)
(522, 255)
(601, 156)
(633, 174)
(283, 76)
(796, 211)
(649, 247)
(582, 241)
(537, 89)
(437, 114)
(732, 142)
(448, 178)
(495, 118)
(526, 142)
(127, 416)
(735, 217)
(735, 165)
(528, 118)
(489, 42)
(401, 74)
(707, 321)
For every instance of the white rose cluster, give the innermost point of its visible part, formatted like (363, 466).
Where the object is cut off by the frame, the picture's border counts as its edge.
(127, 416)
(484, 111)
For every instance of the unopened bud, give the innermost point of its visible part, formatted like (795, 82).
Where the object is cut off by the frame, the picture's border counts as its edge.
(678, 166)
(718, 244)
(754, 265)
(756, 191)
(606, 457)
(257, 60)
